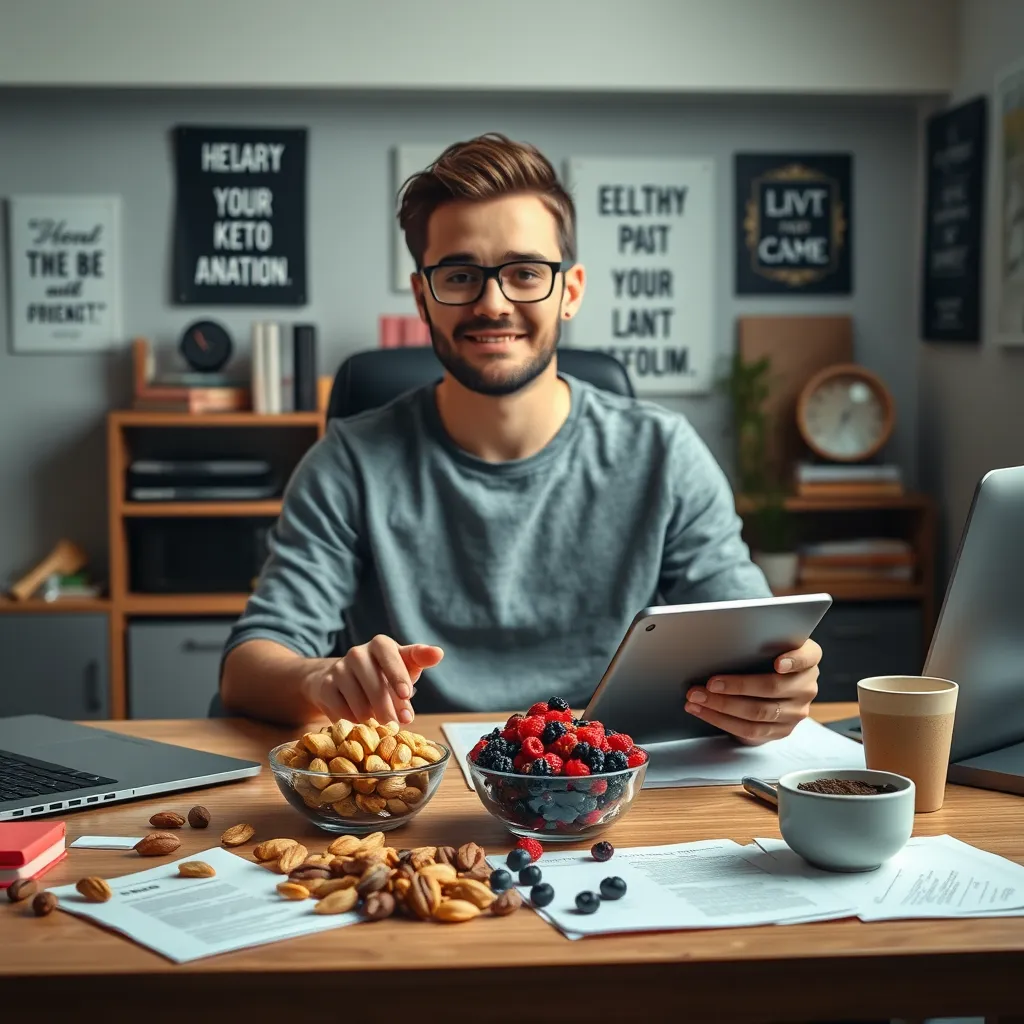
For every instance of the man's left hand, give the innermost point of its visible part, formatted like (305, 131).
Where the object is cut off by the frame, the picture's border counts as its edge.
(756, 709)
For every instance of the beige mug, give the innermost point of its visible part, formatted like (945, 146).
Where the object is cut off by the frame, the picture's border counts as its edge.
(906, 724)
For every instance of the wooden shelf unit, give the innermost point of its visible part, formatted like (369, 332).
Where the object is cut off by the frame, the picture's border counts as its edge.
(36, 606)
(125, 428)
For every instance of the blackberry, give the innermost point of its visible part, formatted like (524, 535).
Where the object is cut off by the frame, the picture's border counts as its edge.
(615, 761)
(613, 888)
(485, 759)
(540, 767)
(541, 895)
(517, 859)
(558, 704)
(552, 731)
(615, 789)
(500, 880)
(580, 752)
(594, 760)
(530, 875)
(502, 763)
(493, 734)
(587, 902)
(501, 746)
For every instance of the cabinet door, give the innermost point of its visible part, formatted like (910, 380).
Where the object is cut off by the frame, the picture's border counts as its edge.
(173, 667)
(860, 640)
(54, 664)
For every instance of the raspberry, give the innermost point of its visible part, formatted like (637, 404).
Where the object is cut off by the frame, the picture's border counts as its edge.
(478, 750)
(521, 764)
(636, 757)
(564, 746)
(540, 708)
(558, 716)
(510, 732)
(532, 847)
(576, 767)
(590, 818)
(531, 726)
(620, 741)
(605, 748)
(598, 787)
(556, 763)
(590, 734)
(533, 747)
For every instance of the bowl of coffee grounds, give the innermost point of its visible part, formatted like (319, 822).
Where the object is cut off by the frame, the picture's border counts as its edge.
(848, 820)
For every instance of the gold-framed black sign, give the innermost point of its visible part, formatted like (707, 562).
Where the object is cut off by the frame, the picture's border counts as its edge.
(794, 217)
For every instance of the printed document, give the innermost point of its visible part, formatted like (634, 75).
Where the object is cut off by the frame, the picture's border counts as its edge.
(189, 918)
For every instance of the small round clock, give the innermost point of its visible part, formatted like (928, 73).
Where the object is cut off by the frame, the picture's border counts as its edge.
(206, 346)
(845, 413)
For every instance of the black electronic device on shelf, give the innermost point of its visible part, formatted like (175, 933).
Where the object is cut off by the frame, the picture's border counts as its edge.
(201, 480)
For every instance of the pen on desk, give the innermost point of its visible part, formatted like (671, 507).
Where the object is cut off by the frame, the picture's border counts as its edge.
(761, 790)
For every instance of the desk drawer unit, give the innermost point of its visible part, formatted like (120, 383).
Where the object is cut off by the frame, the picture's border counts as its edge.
(55, 664)
(173, 666)
(860, 640)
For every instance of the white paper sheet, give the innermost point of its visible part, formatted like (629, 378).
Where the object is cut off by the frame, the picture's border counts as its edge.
(105, 842)
(931, 877)
(712, 884)
(188, 918)
(713, 761)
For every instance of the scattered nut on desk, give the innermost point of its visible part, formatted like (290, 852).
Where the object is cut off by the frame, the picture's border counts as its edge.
(195, 869)
(157, 844)
(199, 816)
(21, 889)
(45, 903)
(237, 835)
(167, 819)
(94, 889)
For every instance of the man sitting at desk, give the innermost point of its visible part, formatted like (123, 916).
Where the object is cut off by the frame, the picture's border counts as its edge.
(509, 520)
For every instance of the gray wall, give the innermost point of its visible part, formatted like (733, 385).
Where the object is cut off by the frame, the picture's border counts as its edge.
(52, 408)
(972, 396)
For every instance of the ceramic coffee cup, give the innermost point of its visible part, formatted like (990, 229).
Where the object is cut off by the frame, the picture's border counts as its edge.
(907, 727)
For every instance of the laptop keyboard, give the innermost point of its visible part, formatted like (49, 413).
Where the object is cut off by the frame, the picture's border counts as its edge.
(22, 778)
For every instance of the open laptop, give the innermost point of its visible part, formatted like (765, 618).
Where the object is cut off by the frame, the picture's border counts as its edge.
(979, 639)
(49, 765)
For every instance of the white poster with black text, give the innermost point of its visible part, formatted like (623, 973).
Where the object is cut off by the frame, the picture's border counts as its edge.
(645, 234)
(65, 273)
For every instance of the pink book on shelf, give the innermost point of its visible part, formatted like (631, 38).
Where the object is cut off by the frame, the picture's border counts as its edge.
(414, 331)
(390, 330)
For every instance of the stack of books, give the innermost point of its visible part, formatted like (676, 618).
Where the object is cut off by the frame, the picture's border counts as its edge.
(864, 559)
(183, 392)
(838, 481)
(403, 332)
(28, 849)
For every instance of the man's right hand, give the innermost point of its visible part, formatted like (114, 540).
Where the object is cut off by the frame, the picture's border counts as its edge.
(373, 680)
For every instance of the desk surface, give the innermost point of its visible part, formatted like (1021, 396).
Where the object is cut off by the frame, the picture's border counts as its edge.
(841, 969)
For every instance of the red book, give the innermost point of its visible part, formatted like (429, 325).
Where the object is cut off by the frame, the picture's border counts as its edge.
(28, 848)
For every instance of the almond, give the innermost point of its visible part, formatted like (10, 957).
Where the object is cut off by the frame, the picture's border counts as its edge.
(455, 911)
(397, 807)
(157, 844)
(345, 846)
(474, 892)
(429, 752)
(271, 849)
(342, 766)
(410, 739)
(318, 764)
(339, 902)
(45, 903)
(411, 795)
(370, 804)
(366, 737)
(94, 890)
(391, 787)
(237, 835)
(320, 744)
(345, 808)
(335, 791)
(328, 885)
(418, 762)
(199, 816)
(387, 746)
(376, 764)
(293, 891)
(364, 787)
(507, 903)
(369, 843)
(388, 729)
(195, 869)
(340, 730)
(291, 858)
(352, 750)
(167, 819)
(402, 756)
(21, 888)
(442, 872)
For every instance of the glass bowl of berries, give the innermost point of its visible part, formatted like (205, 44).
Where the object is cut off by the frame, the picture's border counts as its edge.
(547, 775)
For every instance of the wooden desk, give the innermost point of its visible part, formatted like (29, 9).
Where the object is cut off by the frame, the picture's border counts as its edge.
(483, 970)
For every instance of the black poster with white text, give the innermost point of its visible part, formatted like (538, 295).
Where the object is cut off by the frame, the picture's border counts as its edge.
(240, 218)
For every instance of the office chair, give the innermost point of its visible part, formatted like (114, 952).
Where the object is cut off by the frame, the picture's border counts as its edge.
(375, 376)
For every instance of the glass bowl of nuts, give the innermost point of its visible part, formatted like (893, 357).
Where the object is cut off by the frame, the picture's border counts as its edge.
(359, 778)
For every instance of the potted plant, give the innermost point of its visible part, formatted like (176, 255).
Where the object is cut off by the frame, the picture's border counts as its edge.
(770, 525)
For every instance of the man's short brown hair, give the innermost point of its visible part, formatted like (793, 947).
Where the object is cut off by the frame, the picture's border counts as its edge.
(487, 167)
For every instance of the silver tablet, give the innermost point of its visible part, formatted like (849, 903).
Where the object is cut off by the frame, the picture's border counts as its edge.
(672, 647)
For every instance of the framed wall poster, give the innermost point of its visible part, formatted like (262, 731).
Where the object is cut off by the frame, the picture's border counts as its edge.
(954, 213)
(1009, 117)
(794, 216)
(645, 233)
(240, 216)
(65, 273)
(406, 160)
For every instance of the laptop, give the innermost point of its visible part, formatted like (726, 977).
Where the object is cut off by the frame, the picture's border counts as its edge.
(49, 765)
(979, 640)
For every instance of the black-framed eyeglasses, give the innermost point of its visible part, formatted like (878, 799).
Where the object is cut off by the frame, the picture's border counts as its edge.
(459, 284)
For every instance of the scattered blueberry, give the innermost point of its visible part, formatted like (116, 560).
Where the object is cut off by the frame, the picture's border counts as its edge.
(613, 888)
(541, 895)
(530, 875)
(517, 859)
(501, 880)
(600, 851)
(587, 902)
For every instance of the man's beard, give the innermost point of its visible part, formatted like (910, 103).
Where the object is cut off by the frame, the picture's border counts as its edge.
(477, 380)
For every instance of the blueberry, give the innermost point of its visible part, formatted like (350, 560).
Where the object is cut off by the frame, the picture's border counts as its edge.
(517, 859)
(558, 704)
(541, 895)
(530, 875)
(602, 851)
(587, 902)
(501, 880)
(613, 888)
